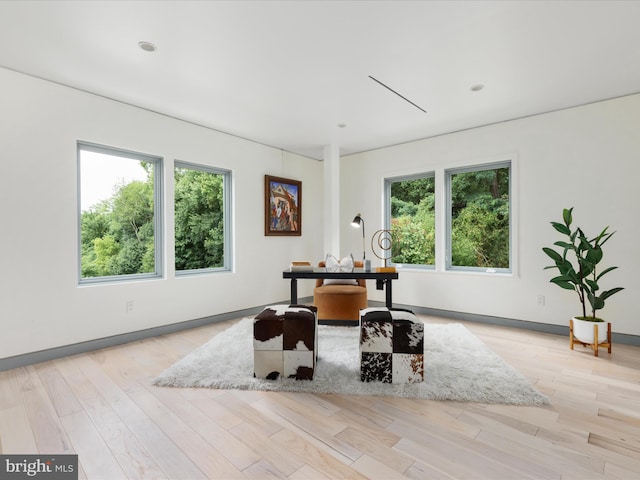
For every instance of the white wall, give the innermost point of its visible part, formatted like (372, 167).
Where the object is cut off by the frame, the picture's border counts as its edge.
(586, 157)
(41, 304)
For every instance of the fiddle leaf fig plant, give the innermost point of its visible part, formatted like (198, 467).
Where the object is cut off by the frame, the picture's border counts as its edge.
(577, 264)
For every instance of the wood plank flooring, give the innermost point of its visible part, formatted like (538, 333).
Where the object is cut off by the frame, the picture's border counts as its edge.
(102, 406)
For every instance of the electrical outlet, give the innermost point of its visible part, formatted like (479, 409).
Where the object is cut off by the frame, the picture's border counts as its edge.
(129, 306)
(541, 300)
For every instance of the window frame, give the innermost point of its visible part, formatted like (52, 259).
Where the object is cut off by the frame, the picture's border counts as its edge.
(158, 214)
(227, 218)
(443, 215)
(476, 167)
(388, 181)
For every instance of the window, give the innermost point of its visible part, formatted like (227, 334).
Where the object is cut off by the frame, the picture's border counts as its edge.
(473, 222)
(119, 214)
(411, 211)
(202, 218)
(479, 217)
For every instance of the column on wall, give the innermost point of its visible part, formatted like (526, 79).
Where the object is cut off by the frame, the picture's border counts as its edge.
(332, 199)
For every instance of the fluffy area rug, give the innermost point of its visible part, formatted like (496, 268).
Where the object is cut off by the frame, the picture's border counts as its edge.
(457, 366)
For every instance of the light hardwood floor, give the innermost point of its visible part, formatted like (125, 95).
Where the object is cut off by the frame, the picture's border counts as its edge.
(102, 406)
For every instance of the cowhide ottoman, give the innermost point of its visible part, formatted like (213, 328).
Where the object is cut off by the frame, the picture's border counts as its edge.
(391, 346)
(285, 340)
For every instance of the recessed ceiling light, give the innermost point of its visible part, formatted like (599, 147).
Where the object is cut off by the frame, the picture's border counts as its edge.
(147, 46)
(477, 88)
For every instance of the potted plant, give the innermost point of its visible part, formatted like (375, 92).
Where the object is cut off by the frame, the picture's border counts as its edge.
(577, 264)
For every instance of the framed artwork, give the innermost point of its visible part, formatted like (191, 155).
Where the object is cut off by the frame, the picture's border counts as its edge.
(282, 206)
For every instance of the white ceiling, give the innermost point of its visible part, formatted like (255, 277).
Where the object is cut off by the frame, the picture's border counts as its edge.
(287, 73)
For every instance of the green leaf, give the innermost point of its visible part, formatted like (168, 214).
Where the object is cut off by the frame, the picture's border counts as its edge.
(597, 303)
(567, 216)
(573, 236)
(561, 228)
(593, 285)
(555, 256)
(563, 283)
(567, 269)
(594, 255)
(606, 237)
(565, 265)
(588, 270)
(601, 236)
(565, 245)
(606, 270)
(607, 293)
(583, 243)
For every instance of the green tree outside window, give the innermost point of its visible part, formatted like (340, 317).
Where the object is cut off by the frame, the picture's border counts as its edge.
(480, 235)
(117, 234)
(199, 219)
(413, 221)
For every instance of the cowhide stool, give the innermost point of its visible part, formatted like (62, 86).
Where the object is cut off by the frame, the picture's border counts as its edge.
(285, 342)
(391, 346)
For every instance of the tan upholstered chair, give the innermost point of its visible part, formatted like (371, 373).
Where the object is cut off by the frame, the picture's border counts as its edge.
(340, 302)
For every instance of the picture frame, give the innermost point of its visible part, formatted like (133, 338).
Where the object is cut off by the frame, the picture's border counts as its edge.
(282, 206)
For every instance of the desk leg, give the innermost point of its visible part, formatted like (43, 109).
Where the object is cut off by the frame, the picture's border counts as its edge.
(294, 291)
(388, 293)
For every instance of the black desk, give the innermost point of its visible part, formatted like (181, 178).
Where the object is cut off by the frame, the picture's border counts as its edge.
(383, 279)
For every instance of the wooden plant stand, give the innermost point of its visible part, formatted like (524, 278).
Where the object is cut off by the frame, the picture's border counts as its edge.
(594, 346)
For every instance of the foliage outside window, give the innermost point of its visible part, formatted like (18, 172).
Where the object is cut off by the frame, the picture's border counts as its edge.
(201, 218)
(119, 214)
(412, 222)
(479, 233)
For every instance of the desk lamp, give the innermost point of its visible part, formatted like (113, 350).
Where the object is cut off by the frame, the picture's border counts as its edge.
(358, 222)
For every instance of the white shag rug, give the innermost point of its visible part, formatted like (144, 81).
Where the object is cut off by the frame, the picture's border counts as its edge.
(457, 366)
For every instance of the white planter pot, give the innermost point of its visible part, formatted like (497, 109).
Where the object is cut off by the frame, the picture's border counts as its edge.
(583, 330)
